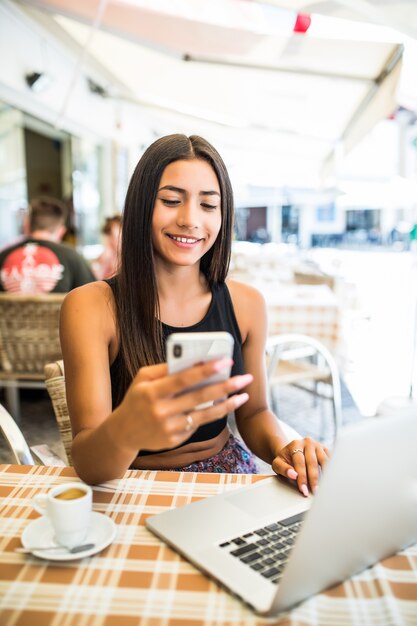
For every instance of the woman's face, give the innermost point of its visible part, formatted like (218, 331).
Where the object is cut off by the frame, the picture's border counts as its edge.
(187, 213)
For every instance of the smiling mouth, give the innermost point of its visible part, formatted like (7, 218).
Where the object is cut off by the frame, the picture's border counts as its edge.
(184, 239)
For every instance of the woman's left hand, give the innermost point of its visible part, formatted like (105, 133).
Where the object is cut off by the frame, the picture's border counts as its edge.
(301, 460)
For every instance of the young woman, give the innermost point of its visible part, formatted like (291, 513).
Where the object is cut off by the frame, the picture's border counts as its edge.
(124, 407)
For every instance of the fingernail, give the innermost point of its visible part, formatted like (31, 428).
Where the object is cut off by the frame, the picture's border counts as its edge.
(240, 399)
(222, 364)
(315, 489)
(291, 473)
(304, 490)
(241, 381)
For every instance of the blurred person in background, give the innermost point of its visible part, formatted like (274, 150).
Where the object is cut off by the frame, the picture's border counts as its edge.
(41, 263)
(106, 265)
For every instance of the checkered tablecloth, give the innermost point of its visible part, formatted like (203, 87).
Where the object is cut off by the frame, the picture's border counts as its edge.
(307, 309)
(139, 581)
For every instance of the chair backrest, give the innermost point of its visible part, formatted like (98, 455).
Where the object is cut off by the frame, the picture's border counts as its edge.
(285, 349)
(14, 438)
(309, 278)
(55, 384)
(29, 333)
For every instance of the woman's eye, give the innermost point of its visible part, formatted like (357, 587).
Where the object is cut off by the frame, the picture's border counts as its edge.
(170, 202)
(210, 207)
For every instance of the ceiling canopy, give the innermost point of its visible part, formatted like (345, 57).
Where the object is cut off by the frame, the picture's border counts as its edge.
(398, 14)
(279, 105)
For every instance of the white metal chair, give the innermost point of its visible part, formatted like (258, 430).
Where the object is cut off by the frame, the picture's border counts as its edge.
(15, 439)
(21, 452)
(289, 362)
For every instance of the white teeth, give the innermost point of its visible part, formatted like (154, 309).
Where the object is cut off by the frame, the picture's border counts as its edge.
(183, 239)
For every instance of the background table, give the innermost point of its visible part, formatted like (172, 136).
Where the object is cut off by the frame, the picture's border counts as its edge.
(313, 310)
(308, 309)
(140, 581)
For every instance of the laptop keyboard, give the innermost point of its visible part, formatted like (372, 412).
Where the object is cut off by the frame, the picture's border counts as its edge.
(266, 550)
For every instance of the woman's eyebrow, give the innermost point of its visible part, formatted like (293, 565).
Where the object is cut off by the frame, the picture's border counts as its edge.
(209, 193)
(212, 192)
(172, 188)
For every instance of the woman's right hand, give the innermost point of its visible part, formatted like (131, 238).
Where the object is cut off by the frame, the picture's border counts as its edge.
(155, 417)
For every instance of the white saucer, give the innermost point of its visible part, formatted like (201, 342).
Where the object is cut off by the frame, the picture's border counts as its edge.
(40, 532)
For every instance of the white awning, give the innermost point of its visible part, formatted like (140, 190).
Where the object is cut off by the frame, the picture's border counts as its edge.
(398, 14)
(278, 105)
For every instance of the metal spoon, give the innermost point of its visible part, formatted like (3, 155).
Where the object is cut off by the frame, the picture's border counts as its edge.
(74, 550)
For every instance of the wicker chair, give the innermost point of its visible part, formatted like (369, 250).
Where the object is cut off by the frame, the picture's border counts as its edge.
(55, 384)
(289, 362)
(29, 338)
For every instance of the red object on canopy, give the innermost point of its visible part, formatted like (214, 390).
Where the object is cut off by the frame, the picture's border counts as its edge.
(302, 23)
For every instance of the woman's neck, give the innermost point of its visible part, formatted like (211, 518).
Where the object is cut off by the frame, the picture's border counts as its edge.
(186, 281)
(184, 296)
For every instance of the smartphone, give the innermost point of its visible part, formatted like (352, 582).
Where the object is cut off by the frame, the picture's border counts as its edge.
(186, 349)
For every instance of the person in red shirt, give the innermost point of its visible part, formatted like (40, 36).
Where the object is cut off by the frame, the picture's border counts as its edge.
(41, 263)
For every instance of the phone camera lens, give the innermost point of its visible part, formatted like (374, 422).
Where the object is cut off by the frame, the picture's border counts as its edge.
(177, 350)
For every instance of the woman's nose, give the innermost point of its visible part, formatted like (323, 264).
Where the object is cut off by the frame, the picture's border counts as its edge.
(187, 216)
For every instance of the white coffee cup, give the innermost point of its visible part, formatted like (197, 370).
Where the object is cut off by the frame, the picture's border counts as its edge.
(68, 508)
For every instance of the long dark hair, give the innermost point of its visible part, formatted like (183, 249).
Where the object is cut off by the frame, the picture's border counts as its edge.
(140, 331)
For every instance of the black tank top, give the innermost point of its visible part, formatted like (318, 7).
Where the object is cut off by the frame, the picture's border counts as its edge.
(220, 316)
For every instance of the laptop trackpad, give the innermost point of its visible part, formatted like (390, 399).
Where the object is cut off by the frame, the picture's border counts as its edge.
(264, 500)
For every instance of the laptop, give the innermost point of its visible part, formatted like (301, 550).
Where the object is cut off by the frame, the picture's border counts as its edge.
(273, 548)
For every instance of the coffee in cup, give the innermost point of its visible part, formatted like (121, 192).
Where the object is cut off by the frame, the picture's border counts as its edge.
(70, 494)
(68, 508)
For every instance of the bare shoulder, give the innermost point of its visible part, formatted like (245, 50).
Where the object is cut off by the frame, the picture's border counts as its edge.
(249, 306)
(95, 294)
(91, 305)
(243, 294)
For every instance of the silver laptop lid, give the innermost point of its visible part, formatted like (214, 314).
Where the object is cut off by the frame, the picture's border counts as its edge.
(365, 508)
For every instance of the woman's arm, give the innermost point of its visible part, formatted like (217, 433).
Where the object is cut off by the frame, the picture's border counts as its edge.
(151, 416)
(88, 339)
(257, 424)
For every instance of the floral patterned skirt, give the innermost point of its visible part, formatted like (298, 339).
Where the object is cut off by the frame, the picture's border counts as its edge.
(234, 458)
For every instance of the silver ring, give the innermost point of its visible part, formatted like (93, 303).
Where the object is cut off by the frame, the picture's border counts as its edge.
(189, 423)
(297, 450)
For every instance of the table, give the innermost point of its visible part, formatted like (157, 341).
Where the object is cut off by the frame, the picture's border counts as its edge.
(138, 581)
(308, 309)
